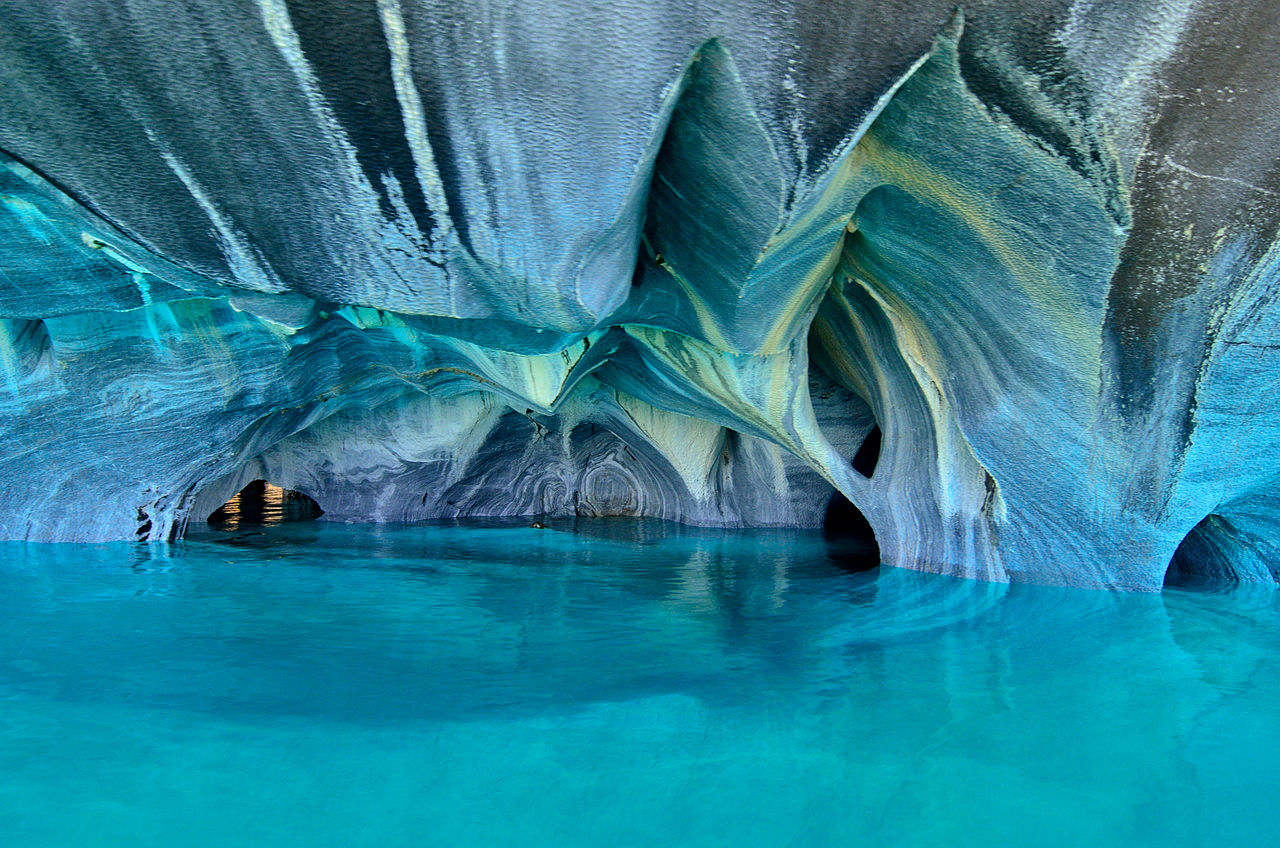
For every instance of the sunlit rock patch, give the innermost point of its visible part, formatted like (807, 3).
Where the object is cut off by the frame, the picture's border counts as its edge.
(418, 265)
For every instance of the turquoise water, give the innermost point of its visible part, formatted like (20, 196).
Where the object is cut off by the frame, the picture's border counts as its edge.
(629, 683)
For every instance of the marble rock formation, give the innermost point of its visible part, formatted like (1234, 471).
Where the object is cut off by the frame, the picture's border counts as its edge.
(421, 259)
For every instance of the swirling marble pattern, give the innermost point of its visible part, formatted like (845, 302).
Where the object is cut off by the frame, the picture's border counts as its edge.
(421, 261)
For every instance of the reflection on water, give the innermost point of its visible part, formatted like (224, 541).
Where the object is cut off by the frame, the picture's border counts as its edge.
(262, 503)
(614, 682)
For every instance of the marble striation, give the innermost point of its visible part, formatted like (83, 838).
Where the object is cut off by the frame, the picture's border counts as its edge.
(422, 260)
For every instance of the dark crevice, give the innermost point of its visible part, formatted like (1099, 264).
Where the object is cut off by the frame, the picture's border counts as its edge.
(1203, 558)
(263, 503)
(851, 543)
(864, 461)
(144, 525)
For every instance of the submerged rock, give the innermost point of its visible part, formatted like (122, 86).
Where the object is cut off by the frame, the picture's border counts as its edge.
(416, 260)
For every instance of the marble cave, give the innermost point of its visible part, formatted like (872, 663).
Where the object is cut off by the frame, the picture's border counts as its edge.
(664, 259)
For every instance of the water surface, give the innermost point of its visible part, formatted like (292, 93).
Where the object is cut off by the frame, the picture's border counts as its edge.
(621, 683)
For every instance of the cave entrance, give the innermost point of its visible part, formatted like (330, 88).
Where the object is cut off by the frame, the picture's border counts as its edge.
(868, 456)
(850, 540)
(1203, 558)
(261, 503)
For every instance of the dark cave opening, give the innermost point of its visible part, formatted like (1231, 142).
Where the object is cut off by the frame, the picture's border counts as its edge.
(864, 461)
(851, 543)
(1203, 558)
(263, 503)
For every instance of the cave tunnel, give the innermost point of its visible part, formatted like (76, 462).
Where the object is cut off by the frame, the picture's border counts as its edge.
(850, 539)
(851, 542)
(263, 503)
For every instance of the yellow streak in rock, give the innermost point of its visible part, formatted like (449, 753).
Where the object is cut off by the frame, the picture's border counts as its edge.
(810, 290)
(841, 358)
(837, 196)
(691, 445)
(980, 215)
(706, 320)
(725, 378)
(954, 453)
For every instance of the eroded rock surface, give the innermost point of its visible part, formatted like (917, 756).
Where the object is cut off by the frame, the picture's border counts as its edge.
(423, 260)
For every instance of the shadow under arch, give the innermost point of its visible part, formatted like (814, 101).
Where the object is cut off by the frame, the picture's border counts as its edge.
(263, 503)
(851, 542)
(1204, 557)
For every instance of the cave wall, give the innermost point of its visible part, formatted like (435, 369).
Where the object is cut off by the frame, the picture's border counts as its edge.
(419, 260)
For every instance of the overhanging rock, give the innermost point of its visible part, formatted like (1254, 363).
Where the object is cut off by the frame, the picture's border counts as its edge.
(418, 260)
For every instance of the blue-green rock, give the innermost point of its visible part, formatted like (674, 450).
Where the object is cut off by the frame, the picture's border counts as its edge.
(423, 260)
